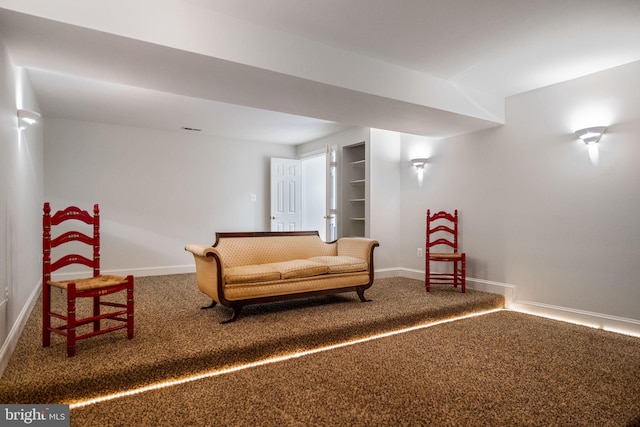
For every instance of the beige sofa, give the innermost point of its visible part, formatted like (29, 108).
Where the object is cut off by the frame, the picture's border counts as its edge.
(250, 268)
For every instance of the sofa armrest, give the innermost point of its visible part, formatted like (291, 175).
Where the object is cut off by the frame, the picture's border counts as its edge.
(358, 247)
(207, 261)
(199, 249)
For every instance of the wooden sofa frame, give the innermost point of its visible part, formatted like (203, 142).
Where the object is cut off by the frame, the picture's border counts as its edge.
(237, 305)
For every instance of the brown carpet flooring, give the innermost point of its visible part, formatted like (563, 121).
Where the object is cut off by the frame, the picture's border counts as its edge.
(503, 368)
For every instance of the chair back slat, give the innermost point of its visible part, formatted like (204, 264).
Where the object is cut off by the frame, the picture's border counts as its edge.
(444, 215)
(71, 259)
(442, 229)
(441, 241)
(71, 236)
(72, 212)
(48, 242)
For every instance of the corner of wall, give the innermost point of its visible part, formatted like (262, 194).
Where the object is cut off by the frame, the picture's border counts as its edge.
(565, 314)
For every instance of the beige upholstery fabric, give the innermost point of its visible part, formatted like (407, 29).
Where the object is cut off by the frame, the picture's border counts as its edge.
(341, 263)
(251, 273)
(299, 268)
(273, 271)
(206, 269)
(358, 247)
(200, 250)
(263, 250)
(264, 266)
(284, 287)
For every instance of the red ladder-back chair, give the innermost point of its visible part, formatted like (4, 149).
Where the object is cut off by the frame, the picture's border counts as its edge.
(93, 287)
(442, 229)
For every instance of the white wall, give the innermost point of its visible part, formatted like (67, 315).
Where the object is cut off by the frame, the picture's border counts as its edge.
(157, 190)
(385, 197)
(21, 191)
(349, 136)
(314, 194)
(536, 210)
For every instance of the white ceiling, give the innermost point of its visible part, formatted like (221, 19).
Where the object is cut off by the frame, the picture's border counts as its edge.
(290, 71)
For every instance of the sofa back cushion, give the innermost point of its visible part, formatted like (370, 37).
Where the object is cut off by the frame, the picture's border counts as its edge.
(236, 251)
(341, 263)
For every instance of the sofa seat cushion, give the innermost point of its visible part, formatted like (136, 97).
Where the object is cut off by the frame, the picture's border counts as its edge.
(299, 268)
(274, 271)
(251, 273)
(341, 263)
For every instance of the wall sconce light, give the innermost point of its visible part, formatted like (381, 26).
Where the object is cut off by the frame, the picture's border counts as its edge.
(418, 163)
(591, 135)
(27, 118)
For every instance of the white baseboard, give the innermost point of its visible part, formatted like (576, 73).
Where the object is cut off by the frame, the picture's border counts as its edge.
(504, 289)
(10, 343)
(587, 318)
(409, 273)
(385, 273)
(136, 272)
(155, 271)
(507, 290)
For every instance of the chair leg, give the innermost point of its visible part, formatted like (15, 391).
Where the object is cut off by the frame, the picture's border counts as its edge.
(130, 307)
(46, 317)
(427, 275)
(96, 312)
(456, 274)
(71, 320)
(463, 271)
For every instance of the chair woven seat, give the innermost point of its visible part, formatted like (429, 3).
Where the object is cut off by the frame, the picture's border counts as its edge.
(89, 283)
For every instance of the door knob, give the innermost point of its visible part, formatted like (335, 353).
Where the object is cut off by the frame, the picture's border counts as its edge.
(272, 217)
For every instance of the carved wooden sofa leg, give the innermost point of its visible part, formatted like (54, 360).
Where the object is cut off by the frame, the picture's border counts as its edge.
(213, 304)
(361, 295)
(236, 313)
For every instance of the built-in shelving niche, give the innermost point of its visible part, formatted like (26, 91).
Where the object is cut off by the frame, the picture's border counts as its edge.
(354, 190)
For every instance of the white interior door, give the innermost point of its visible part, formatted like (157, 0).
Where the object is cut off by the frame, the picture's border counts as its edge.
(331, 214)
(286, 194)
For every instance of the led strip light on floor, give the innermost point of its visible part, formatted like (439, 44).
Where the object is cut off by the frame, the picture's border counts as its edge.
(276, 359)
(575, 321)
